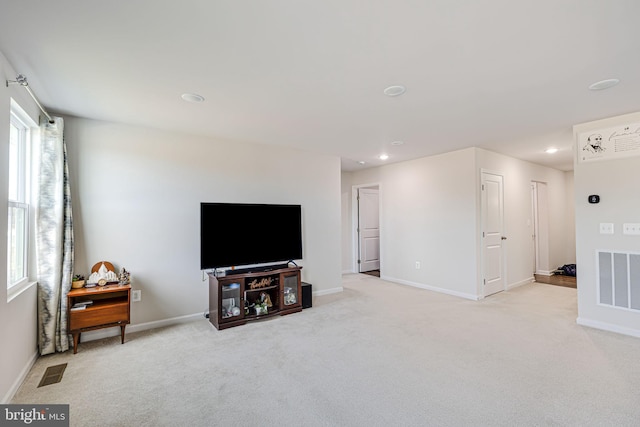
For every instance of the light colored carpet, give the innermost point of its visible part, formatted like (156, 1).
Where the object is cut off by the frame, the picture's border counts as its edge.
(377, 354)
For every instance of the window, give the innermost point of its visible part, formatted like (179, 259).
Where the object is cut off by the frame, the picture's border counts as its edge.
(19, 170)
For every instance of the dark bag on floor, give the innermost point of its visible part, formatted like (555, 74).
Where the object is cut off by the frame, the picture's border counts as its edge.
(568, 269)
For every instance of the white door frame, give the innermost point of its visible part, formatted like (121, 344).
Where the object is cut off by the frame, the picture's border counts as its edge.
(355, 244)
(534, 216)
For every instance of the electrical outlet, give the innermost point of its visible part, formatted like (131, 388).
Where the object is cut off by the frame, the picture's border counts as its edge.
(137, 295)
(606, 228)
(417, 265)
(632, 228)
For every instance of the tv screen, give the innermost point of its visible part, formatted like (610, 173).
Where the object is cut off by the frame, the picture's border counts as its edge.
(237, 234)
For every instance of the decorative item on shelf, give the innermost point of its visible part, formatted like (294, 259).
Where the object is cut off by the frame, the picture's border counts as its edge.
(263, 283)
(77, 281)
(125, 277)
(102, 273)
(266, 299)
(261, 308)
(289, 296)
(229, 308)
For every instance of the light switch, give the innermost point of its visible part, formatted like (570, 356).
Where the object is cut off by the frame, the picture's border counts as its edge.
(606, 228)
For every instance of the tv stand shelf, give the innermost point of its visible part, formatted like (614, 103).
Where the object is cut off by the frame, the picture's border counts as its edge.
(242, 296)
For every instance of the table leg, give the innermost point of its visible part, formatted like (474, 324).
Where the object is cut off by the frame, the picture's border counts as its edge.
(122, 333)
(76, 339)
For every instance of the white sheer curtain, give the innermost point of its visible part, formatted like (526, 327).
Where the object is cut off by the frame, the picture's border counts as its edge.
(54, 237)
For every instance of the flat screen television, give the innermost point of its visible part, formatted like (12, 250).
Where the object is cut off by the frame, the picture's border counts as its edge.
(240, 234)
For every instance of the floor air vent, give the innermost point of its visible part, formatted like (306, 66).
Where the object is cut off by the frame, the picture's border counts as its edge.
(619, 279)
(52, 375)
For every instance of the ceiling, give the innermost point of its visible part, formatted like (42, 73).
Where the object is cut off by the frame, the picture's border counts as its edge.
(507, 76)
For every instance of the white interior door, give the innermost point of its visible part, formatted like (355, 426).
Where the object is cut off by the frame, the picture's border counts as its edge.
(368, 229)
(492, 233)
(541, 228)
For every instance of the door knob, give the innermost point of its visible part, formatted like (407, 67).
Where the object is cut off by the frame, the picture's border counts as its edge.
(503, 238)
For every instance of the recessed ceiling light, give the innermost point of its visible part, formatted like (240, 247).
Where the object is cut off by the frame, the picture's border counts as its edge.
(192, 97)
(551, 150)
(361, 162)
(397, 143)
(395, 90)
(604, 84)
(383, 156)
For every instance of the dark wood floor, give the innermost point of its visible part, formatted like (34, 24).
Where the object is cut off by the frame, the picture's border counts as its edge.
(372, 273)
(558, 280)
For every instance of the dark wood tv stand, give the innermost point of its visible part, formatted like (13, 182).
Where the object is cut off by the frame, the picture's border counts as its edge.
(235, 299)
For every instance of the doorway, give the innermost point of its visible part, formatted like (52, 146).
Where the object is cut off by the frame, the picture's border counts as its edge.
(540, 236)
(367, 229)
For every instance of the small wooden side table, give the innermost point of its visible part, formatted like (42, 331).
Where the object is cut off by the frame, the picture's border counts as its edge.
(110, 306)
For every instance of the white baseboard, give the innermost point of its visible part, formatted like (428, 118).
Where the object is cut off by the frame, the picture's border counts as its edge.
(166, 322)
(608, 327)
(328, 291)
(521, 283)
(20, 379)
(432, 288)
(544, 273)
(115, 331)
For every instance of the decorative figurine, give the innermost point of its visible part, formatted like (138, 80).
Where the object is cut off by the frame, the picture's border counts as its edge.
(289, 296)
(266, 299)
(102, 273)
(124, 277)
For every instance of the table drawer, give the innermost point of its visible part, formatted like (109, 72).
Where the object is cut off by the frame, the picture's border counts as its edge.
(99, 315)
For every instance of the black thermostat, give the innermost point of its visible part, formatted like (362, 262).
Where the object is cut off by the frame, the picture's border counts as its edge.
(594, 198)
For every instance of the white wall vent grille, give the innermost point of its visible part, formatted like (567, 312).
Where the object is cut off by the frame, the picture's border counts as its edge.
(619, 279)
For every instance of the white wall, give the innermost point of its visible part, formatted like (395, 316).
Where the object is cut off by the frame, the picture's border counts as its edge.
(347, 237)
(430, 212)
(136, 199)
(616, 181)
(18, 327)
(428, 215)
(570, 255)
(518, 176)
